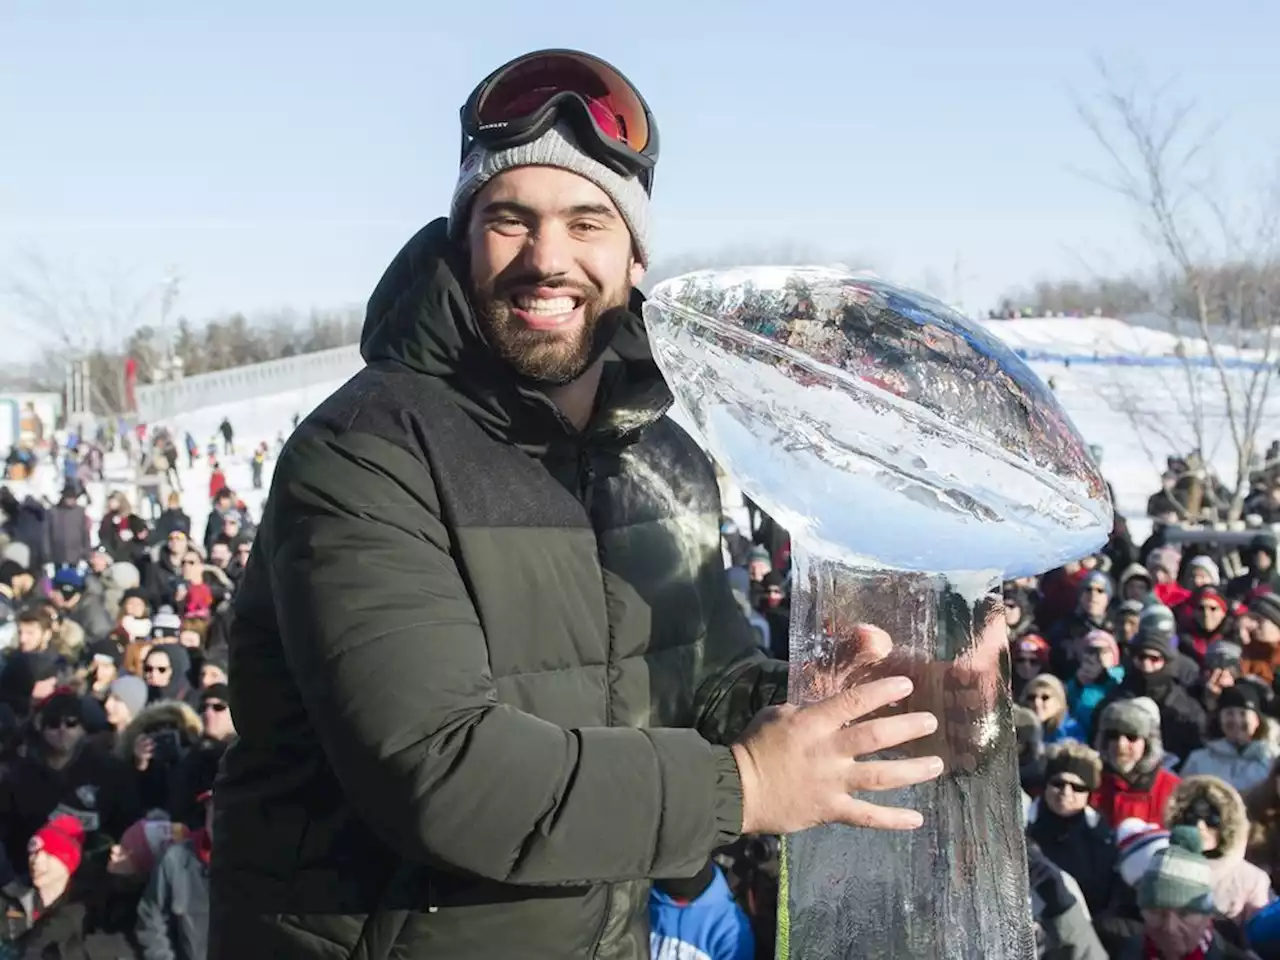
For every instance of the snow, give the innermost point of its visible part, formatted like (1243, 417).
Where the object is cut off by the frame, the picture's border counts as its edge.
(1131, 399)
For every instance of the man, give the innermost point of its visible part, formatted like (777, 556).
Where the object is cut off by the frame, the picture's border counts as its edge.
(489, 676)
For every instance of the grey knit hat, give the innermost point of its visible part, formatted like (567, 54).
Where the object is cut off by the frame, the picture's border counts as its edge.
(1267, 606)
(555, 148)
(131, 691)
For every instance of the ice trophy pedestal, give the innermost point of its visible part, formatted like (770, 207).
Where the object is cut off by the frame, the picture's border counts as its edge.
(916, 461)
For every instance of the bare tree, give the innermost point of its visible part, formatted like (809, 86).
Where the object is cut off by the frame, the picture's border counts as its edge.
(67, 317)
(1225, 262)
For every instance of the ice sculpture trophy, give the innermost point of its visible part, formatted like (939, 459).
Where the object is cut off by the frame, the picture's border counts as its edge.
(916, 461)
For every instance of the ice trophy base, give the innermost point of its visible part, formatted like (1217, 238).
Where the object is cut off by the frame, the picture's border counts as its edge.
(957, 888)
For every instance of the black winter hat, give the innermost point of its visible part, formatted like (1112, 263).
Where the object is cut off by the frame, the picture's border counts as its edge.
(1154, 640)
(1244, 695)
(1266, 606)
(10, 569)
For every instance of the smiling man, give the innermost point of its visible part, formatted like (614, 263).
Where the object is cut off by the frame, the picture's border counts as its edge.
(489, 677)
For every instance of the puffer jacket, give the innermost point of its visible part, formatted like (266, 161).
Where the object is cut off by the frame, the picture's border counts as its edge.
(486, 666)
(1240, 889)
(1242, 767)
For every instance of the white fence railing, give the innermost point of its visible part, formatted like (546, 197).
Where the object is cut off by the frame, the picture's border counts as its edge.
(159, 401)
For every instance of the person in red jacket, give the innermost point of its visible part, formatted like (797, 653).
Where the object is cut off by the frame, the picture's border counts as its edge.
(1134, 783)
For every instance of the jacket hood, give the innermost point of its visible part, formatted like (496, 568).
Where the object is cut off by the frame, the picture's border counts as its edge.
(420, 317)
(166, 713)
(1225, 799)
(1131, 572)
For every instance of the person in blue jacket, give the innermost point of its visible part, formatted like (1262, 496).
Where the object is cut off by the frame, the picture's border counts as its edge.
(698, 919)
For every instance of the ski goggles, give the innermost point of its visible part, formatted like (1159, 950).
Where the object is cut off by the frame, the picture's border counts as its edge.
(523, 99)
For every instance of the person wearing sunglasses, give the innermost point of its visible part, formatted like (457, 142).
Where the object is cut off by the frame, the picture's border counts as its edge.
(1134, 781)
(1216, 810)
(488, 674)
(1069, 831)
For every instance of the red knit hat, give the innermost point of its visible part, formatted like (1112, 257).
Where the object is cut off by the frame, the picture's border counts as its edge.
(62, 838)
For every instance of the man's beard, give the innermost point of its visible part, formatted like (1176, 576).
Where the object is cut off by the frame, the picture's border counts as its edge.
(546, 356)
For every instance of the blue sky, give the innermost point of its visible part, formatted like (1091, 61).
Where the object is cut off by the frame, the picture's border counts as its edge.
(278, 153)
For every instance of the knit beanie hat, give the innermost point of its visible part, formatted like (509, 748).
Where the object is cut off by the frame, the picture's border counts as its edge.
(1266, 606)
(131, 691)
(1223, 655)
(1135, 717)
(555, 148)
(1137, 843)
(1179, 878)
(1133, 607)
(1246, 696)
(1208, 566)
(62, 838)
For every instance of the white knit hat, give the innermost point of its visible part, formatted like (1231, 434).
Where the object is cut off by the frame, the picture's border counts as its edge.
(555, 148)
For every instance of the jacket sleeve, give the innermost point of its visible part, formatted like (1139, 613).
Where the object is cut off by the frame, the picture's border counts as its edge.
(152, 929)
(738, 680)
(391, 661)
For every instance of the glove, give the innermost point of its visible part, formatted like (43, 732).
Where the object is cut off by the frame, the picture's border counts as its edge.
(1047, 884)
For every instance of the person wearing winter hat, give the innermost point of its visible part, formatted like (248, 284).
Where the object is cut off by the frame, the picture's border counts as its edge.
(142, 845)
(1154, 669)
(1207, 621)
(1134, 781)
(1030, 655)
(127, 699)
(1260, 631)
(1098, 674)
(1128, 616)
(1217, 812)
(1136, 583)
(1046, 697)
(1093, 604)
(541, 609)
(36, 921)
(1243, 755)
(1070, 831)
(1203, 572)
(1176, 898)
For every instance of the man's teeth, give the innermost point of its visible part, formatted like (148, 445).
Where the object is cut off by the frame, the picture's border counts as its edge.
(552, 307)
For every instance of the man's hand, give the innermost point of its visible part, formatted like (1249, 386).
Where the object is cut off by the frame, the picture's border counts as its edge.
(799, 765)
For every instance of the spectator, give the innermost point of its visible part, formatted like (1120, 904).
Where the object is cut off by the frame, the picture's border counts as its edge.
(1214, 808)
(1176, 899)
(69, 530)
(698, 917)
(1247, 749)
(1098, 674)
(1134, 783)
(1046, 697)
(1068, 830)
(173, 916)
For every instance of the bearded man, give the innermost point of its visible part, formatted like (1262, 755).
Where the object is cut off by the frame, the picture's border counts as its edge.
(489, 676)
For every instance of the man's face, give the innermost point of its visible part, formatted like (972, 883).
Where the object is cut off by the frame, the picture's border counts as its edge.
(134, 607)
(1210, 615)
(61, 732)
(220, 555)
(216, 714)
(1261, 561)
(1124, 750)
(32, 637)
(1094, 600)
(549, 254)
(99, 562)
(1174, 933)
(177, 543)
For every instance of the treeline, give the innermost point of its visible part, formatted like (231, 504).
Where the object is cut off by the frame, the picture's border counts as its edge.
(220, 344)
(1237, 295)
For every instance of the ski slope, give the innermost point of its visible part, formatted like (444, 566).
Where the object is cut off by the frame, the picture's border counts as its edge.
(1122, 386)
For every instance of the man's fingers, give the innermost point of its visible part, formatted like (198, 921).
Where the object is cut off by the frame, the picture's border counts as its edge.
(876, 775)
(863, 699)
(859, 813)
(873, 736)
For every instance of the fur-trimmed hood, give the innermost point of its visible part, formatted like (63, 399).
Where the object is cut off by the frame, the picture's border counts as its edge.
(1225, 799)
(165, 713)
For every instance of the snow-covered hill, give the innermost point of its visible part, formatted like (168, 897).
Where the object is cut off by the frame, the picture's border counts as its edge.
(1121, 384)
